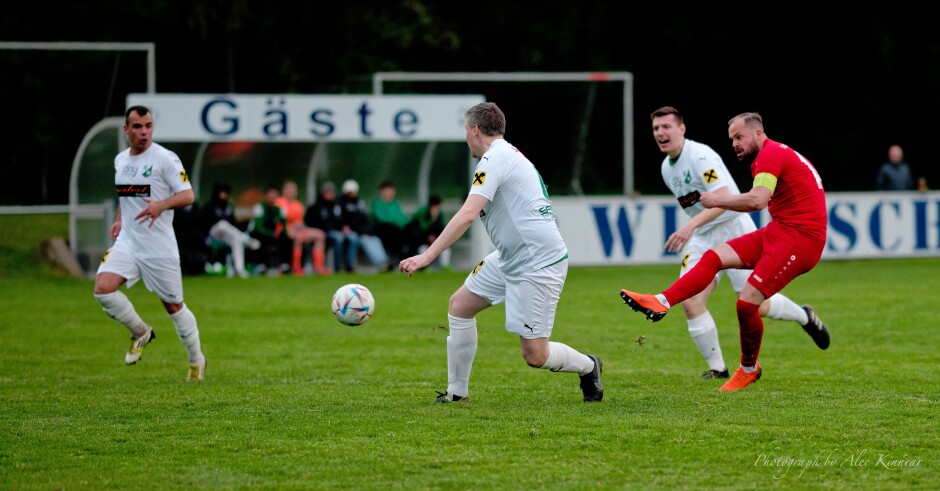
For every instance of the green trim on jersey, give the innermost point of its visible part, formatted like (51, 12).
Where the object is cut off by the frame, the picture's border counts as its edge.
(556, 262)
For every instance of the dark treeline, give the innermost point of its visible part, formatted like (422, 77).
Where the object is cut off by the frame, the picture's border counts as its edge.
(838, 82)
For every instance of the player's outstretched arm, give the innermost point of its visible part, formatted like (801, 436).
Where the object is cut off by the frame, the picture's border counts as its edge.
(455, 229)
(754, 200)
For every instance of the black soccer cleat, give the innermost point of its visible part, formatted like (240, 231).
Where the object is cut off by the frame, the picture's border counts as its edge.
(591, 384)
(815, 328)
(444, 397)
(713, 374)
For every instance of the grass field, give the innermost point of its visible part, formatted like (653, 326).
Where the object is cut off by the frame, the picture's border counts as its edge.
(295, 400)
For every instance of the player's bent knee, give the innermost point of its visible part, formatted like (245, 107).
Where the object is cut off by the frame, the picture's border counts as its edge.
(172, 308)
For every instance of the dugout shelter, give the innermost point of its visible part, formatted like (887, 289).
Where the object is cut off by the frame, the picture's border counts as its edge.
(251, 141)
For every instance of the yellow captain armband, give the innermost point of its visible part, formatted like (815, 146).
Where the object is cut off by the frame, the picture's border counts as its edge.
(766, 180)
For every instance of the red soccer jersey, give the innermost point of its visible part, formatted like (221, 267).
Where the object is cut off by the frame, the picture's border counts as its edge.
(798, 200)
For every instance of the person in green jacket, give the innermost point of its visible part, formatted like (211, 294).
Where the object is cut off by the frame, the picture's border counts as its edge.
(388, 221)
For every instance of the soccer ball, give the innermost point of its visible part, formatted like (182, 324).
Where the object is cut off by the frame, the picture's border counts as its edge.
(353, 304)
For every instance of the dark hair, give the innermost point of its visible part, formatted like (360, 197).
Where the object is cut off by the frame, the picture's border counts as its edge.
(140, 110)
(488, 117)
(220, 186)
(434, 199)
(665, 111)
(387, 183)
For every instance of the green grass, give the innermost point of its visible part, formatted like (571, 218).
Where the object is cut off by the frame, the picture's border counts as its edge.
(295, 400)
(20, 237)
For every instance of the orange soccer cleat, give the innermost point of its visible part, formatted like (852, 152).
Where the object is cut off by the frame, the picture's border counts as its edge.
(646, 304)
(741, 379)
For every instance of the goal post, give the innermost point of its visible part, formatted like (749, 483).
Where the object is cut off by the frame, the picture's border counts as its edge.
(379, 80)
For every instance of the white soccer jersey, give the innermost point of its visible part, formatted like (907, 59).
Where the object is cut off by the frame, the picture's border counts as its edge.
(698, 169)
(156, 174)
(519, 217)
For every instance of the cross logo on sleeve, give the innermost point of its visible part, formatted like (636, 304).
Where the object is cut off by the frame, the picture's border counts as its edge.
(478, 178)
(710, 176)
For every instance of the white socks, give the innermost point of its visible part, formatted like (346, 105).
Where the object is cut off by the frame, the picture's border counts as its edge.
(705, 334)
(782, 308)
(564, 358)
(185, 323)
(117, 305)
(662, 300)
(461, 348)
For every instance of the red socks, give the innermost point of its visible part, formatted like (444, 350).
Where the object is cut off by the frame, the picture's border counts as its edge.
(752, 330)
(695, 280)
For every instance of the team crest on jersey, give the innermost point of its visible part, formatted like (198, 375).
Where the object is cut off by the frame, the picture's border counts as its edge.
(710, 176)
(183, 176)
(147, 171)
(478, 178)
(688, 177)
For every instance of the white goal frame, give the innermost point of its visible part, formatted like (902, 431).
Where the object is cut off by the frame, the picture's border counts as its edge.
(626, 78)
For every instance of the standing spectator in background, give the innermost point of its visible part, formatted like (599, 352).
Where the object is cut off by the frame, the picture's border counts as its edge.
(269, 226)
(300, 233)
(218, 223)
(425, 226)
(151, 183)
(388, 220)
(356, 231)
(895, 174)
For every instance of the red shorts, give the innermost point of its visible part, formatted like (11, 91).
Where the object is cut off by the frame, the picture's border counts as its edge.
(777, 255)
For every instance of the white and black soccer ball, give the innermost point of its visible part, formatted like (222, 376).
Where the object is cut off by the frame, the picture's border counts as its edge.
(353, 304)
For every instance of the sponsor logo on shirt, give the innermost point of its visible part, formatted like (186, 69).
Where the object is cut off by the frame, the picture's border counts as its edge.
(689, 199)
(183, 176)
(133, 190)
(478, 178)
(710, 176)
(129, 170)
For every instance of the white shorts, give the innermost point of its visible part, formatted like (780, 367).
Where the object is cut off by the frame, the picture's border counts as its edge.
(531, 298)
(161, 275)
(700, 243)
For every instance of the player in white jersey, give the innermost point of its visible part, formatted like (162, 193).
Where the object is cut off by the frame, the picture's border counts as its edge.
(526, 271)
(689, 169)
(151, 183)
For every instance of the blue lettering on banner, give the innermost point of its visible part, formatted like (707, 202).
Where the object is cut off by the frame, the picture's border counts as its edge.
(921, 225)
(322, 124)
(757, 217)
(276, 119)
(233, 121)
(874, 225)
(364, 113)
(842, 227)
(669, 217)
(405, 122)
(623, 228)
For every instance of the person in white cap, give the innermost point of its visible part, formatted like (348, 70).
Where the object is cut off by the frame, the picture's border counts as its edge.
(355, 231)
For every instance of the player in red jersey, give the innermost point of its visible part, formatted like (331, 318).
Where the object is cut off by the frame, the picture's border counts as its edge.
(790, 245)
